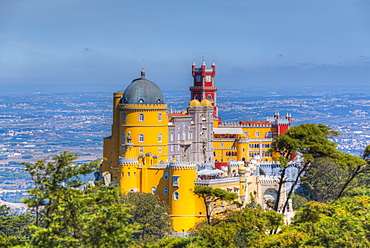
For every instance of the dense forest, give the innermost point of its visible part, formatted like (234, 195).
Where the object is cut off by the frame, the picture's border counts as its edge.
(332, 205)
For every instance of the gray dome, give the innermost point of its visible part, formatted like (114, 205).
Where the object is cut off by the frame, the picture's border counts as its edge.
(142, 91)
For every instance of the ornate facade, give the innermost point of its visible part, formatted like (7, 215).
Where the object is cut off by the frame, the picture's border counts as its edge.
(153, 151)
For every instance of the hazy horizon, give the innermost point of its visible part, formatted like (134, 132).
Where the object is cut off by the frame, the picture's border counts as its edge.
(90, 46)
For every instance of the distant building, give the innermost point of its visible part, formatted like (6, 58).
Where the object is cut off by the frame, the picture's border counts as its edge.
(168, 154)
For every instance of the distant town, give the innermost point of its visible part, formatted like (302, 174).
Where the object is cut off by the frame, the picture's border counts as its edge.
(37, 126)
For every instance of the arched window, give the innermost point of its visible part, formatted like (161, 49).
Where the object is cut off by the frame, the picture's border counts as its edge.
(159, 117)
(165, 191)
(141, 117)
(141, 137)
(166, 175)
(176, 196)
(154, 190)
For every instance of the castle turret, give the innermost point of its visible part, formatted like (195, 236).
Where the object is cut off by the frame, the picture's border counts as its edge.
(203, 85)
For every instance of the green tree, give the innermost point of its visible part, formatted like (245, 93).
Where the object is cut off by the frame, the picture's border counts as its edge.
(309, 141)
(15, 226)
(73, 217)
(149, 211)
(212, 195)
(331, 178)
(344, 223)
(243, 228)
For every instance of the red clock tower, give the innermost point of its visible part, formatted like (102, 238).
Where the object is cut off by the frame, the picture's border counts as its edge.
(203, 84)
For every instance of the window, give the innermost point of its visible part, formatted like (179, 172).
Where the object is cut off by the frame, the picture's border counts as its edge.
(134, 174)
(171, 136)
(166, 175)
(246, 134)
(123, 149)
(175, 181)
(141, 149)
(123, 116)
(222, 207)
(257, 134)
(165, 191)
(159, 117)
(176, 196)
(154, 190)
(221, 144)
(159, 149)
(128, 174)
(123, 138)
(141, 137)
(171, 148)
(209, 97)
(141, 117)
(214, 207)
(159, 137)
(254, 145)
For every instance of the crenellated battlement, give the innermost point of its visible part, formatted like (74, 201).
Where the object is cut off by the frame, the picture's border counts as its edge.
(183, 166)
(127, 161)
(250, 124)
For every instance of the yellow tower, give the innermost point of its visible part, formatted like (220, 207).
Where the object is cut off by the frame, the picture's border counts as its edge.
(183, 202)
(140, 127)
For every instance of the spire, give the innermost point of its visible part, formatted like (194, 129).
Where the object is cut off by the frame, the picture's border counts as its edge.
(203, 62)
(213, 63)
(193, 63)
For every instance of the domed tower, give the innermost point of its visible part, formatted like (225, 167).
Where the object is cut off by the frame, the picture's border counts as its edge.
(140, 127)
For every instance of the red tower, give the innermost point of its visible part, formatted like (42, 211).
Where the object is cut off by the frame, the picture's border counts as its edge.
(203, 84)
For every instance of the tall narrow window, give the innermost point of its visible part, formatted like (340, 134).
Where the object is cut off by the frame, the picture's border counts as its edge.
(159, 149)
(257, 134)
(123, 116)
(166, 175)
(141, 117)
(165, 191)
(159, 117)
(123, 138)
(159, 137)
(141, 149)
(141, 137)
(171, 136)
(176, 196)
(123, 149)
(154, 190)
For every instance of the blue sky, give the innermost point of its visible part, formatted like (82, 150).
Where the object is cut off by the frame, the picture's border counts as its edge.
(62, 46)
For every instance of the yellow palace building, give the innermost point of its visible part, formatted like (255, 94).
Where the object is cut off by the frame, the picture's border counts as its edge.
(168, 154)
